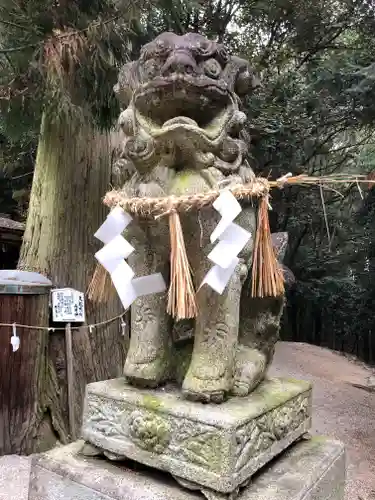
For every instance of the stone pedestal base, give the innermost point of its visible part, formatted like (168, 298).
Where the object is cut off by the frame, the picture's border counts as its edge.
(215, 446)
(309, 470)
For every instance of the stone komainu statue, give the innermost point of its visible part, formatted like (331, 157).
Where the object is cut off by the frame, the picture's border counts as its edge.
(184, 134)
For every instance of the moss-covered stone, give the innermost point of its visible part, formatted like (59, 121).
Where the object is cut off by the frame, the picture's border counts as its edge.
(216, 446)
(151, 402)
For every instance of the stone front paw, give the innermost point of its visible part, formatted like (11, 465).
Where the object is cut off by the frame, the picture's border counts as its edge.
(206, 390)
(90, 450)
(251, 367)
(148, 374)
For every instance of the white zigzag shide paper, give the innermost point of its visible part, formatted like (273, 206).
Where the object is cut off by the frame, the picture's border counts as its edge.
(232, 239)
(115, 223)
(113, 253)
(112, 256)
(218, 277)
(231, 242)
(228, 207)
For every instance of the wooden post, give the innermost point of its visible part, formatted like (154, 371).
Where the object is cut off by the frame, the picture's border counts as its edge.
(24, 392)
(70, 377)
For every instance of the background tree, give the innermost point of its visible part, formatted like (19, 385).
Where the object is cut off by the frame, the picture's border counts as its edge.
(59, 64)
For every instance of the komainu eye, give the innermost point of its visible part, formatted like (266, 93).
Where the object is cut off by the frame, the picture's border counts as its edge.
(204, 48)
(244, 82)
(222, 54)
(212, 68)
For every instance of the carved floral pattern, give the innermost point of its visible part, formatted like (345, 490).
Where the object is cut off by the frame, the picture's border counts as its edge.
(104, 419)
(260, 434)
(204, 449)
(149, 431)
(191, 441)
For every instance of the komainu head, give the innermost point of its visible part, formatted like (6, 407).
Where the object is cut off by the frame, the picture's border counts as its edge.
(181, 104)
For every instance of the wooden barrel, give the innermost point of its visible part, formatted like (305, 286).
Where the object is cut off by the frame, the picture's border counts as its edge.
(24, 299)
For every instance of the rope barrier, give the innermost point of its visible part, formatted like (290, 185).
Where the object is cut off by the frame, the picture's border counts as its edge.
(52, 329)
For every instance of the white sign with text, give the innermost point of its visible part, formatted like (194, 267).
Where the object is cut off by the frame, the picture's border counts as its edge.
(68, 306)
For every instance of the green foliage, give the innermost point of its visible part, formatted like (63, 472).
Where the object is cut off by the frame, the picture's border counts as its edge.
(60, 58)
(17, 154)
(7, 203)
(63, 57)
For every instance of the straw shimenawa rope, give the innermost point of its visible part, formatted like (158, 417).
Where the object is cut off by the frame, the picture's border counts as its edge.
(267, 278)
(181, 296)
(257, 188)
(100, 287)
(157, 207)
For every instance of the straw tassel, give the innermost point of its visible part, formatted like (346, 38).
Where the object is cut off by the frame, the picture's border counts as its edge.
(267, 275)
(100, 287)
(181, 296)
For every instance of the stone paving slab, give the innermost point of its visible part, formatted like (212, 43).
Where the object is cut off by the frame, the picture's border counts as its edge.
(310, 470)
(14, 477)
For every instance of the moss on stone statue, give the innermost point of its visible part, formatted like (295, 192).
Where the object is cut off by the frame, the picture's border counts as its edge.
(151, 402)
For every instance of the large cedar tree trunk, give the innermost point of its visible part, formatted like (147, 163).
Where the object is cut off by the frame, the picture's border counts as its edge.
(72, 173)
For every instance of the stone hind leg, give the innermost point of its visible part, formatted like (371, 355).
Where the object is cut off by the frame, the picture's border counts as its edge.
(147, 362)
(258, 334)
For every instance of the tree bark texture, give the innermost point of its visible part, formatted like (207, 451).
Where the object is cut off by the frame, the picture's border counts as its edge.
(72, 173)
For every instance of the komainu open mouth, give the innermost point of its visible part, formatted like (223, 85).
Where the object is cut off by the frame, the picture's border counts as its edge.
(182, 100)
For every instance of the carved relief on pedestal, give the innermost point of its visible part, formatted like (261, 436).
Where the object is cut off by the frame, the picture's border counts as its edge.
(157, 433)
(260, 434)
(191, 441)
(104, 418)
(217, 448)
(149, 431)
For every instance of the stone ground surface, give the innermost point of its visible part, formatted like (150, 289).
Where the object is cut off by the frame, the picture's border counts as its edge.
(341, 411)
(14, 477)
